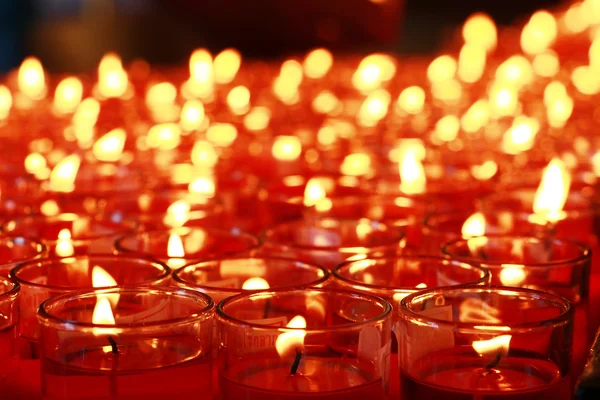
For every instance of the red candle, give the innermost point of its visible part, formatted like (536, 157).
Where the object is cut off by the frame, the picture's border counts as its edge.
(127, 343)
(315, 344)
(9, 293)
(485, 343)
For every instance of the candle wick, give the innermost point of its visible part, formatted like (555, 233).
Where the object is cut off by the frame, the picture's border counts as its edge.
(296, 363)
(495, 362)
(113, 345)
(483, 255)
(267, 308)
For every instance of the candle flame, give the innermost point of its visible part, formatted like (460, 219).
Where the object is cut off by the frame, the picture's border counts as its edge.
(374, 108)
(539, 33)
(521, 135)
(67, 95)
(31, 78)
(255, 284)
(412, 99)
(491, 347)
(286, 148)
(226, 65)
(290, 341)
(474, 226)
(109, 147)
(442, 69)
(103, 314)
(316, 190)
(552, 192)
(175, 251)
(204, 154)
(412, 174)
(192, 115)
(356, 164)
(480, 30)
(221, 134)
(178, 213)
(101, 278)
(238, 100)
(317, 63)
(112, 78)
(204, 185)
(64, 245)
(62, 177)
(512, 274)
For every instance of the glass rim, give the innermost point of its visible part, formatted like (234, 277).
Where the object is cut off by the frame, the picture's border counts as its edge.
(405, 312)
(398, 236)
(175, 276)
(584, 250)
(13, 274)
(12, 292)
(473, 265)
(45, 315)
(222, 314)
(130, 225)
(118, 242)
(38, 244)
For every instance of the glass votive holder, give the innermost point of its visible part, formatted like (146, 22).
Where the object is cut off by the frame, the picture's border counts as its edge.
(49, 277)
(393, 278)
(153, 209)
(329, 242)
(485, 343)
(151, 343)
(311, 343)
(9, 321)
(401, 211)
(180, 246)
(225, 277)
(557, 266)
(70, 234)
(16, 250)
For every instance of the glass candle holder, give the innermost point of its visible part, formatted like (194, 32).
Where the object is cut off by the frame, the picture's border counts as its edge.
(180, 246)
(312, 343)
(400, 211)
(152, 209)
(556, 266)
(485, 343)
(9, 321)
(226, 277)
(70, 234)
(16, 250)
(127, 343)
(329, 242)
(49, 277)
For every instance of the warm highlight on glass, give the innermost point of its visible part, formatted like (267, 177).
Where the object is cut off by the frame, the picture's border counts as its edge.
(557, 266)
(485, 343)
(226, 277)
(329, 242)
(125, 343)
(16, 250)
(180, 246)
(310, 343)
(9, 321)
(70, 234)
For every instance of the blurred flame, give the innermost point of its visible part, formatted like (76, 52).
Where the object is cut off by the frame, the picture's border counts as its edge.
(226, 66)
(521, 135)
(103, 315)
(112, 78)
(175, 251)
(596, 163)
(441, 69)
(412, 99)
(491, 347)
(356, 164)
(372, 71)
(62, 177)
(165, 136)
(480, 30)
(474, 226)
(484, 171)
(546, 64)
(476, 117)
(6, 101)
(585, 80)
(67, 95)
(292, 341)
(255, 283)
(101, 278)
(204, 154)
(178, 213)
(515, 72)
(315, 191)
(471, 63)
(31, 78)
(412, 174)
(512, 274)
(110, 146)
(222, 134)
(317, 63)
(325, 102)
(552, 192)
(204, 185)
(286, 148)
(35, 162)
(257, 119)
(64, 246)
(238, 100)
(559, 110)
(539, 33)
(192, 115)
(374, 108)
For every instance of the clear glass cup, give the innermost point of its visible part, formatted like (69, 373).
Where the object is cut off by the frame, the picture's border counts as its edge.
(9, 324)
(157, 345)
(312, 343)
(16, 250)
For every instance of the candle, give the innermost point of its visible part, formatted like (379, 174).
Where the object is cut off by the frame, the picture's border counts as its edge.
(485, 343)
(328, 241)
(179, 246)
(9, 293)
(68, 234)
(16, 250)
(124, 343)
(225, 277)
(557, 266)
(325, 345)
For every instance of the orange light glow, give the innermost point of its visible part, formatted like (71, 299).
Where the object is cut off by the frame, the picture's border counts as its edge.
(317, 63)
(255, 283)
(325, 102)
(552, 192)
(585, 80)
(374, 108)
(559, 110)
(203, 185)
(372, 71)
(165, 136)
(476, 117)
(539, 33)
(204, 154)
(471, 63)
(447, 127)
(175, 251)
(62, 178)
(35, 162)
(110, 146)
(112, 78)
(160, 95)
(6, 101)
(493, 347)
(222, 134)
(64, 245)
(484, 171)
(31, 78)
(257, 119)
(192, 115)
(480, 30)
(474, 226)
(504, 101)
(412, 174)
(238, 100)
(67, 95)
(286, 148)
(356, 164)
(512, 274)
(316, 190)
(226, 66)
(516, 71)
(521, 135)
(178, 214)
(412, 99)
(546, 64)
(442, 69)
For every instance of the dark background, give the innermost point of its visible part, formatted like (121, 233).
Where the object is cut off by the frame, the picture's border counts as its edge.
(71, 35)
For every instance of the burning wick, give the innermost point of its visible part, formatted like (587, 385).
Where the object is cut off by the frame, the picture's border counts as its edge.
(497, 346)
(494, 362)
(259, 284)
(296, 362)
(113, 345)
